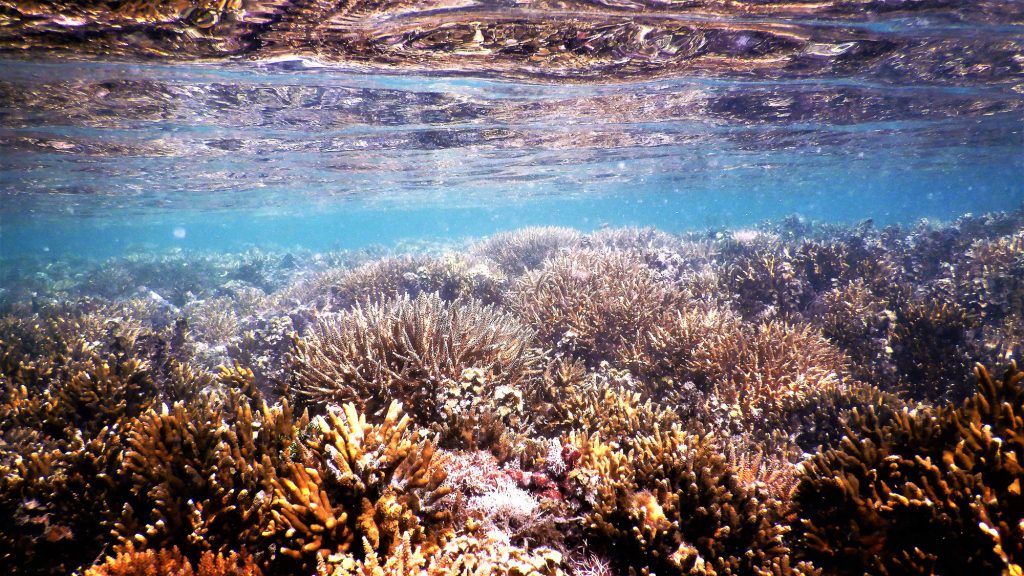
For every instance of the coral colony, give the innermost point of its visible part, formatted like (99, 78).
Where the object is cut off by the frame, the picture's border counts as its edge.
(791, 399)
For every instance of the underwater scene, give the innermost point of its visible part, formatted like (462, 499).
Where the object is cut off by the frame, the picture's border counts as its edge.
(511, 288)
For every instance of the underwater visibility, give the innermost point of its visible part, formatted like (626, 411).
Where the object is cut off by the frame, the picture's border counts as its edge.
(482, 287)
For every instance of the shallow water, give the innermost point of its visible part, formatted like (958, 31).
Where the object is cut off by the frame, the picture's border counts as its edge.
(691, 287)
(99, 158)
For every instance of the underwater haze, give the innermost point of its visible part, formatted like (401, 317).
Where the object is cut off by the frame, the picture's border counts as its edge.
(511, 288)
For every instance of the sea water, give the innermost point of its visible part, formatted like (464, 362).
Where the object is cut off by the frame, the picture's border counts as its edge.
(679, 294)
(99, 159)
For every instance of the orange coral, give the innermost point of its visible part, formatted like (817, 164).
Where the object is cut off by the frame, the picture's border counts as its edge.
(170, 562)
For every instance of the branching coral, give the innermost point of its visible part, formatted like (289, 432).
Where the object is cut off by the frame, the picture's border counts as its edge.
(196, 471)
(931, 492)
(593, 303)
(56, 501)
(597, 404)
(756, 368)
(640, 402)
(525, 249)
(990, 279)
(451, 278)
(213, 321)
(466, 555)
(764, 280)
(858, 321)
(62, 415)
(820, 418)
(171, 562)
(673, 504)
(352, 480)
(425, 353)
(677, 349)
(647, 240)
(932, 349)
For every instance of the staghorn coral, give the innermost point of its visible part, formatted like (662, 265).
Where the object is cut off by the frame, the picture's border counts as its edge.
(649, 241)
(196, 470)
(820, 418)
(56, 501)
(423, 352)
(990, 277)
(764, 279)
(671, 351)
(451, 278)
(931, 346)
(769, 362)
(213, 321)
(352, 481)
(488, 555)
(931, 492)
(673, 504)
(91, 464)
(593, 304)
(62, 414)
(526, 249)
(858, 321)
(599, 404)
(822, 265)
(171, 562)
(264, 347)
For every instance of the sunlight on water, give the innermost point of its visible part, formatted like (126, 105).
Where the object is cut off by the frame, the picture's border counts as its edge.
(511, 288)
(286, 155)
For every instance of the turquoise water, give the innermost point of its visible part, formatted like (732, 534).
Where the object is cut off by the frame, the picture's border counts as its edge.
(579, 288)
(99, 159)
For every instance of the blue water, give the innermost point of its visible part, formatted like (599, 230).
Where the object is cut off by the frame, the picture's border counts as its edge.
(103, 159)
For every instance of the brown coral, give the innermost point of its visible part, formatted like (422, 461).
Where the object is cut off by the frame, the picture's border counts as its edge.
(196, 470)
(933, 349)
(764, 279)
(759, 366)
(593, 303)
(423, 352)
(62, 413)
(171, 562)
(465, 555)
(990, 277)
(451, 278)
(520, 251)
(673, 504)
(352, 480)
(932, 492)
(858, 321)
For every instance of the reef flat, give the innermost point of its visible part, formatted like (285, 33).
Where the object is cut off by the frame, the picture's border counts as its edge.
(795, 398)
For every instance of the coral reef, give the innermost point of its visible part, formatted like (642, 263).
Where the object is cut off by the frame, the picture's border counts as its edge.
(451, 278)
(455, 365)
(196, 470)
(463, 556)
(791, 399)
(931, 492)
(593, 303)
(673, 504)
(520, 251)
(351, 482)
(171, 563)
